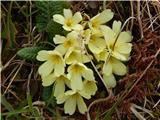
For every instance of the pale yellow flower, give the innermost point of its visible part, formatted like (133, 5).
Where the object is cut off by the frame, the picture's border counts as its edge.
(75, 73)
(102, 56)
(54, 62)
(74, 55)
(59, 83)
(100, 19)
(109, 80)
(111, 64)
(96, 43)
(90, 87)
(117, 43)
(114, 66)
(72, 99)
(66, 43)
(69, 21)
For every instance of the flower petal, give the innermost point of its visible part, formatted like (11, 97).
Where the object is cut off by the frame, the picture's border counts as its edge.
(116, 26)
(103, 55)
(46, 68)
(68, 83)
(67, 13)
(65, 27)
(61, 49)
(118, 67)
(70, 105)
(59, 69)
(58, 18)
(88, 74)
(42, 55)
(110, 80)
(119, 56)
(84, 94)
(72, 56)
(81, 105)
(61, 98)
(77, 17)
(76, 82)
(72, 35)
(48, 80)
(77, 27)
(97, 45)
(105, 16)
(77, 68)
(124, 37)
(59, 39)
(70, 92)
(108, 33)
(90, 86)
(59, 87)
(107, 69)
(127, 56)
(85, 58)
(124, 48)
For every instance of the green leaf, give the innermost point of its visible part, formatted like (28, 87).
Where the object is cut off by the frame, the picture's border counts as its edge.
(35, 112)
(29, 53)
(6, 104)
(14, 112)
(48, 97)
(29, 99)
(46, 93)
(50, 29)
(44, 21)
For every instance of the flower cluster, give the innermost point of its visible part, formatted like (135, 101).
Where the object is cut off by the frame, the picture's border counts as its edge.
(66, 65)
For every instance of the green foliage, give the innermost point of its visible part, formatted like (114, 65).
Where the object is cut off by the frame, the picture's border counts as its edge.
(44, 20)
(48, 97)
(15, 112)
(5, 103)
(8, 106)
(29, 53)
(35, 112)
(29, 99)
(53, 28)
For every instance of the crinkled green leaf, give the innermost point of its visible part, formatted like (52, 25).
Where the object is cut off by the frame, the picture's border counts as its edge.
(44, 21)
(29, 53)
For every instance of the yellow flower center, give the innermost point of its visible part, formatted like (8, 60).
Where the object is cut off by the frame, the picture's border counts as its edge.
(69, 22)
(75, 96)
(77, 69)
(62, 78)
(93, 39)
(95, 23)
(56, 59)
(68, 43)
(73, 55)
